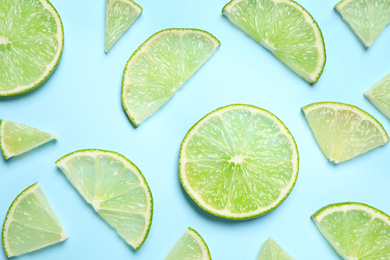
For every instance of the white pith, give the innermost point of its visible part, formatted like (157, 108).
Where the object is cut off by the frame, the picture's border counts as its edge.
(201, 243)
(4, 40)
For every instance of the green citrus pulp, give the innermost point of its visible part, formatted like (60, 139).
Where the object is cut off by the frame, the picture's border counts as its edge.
(379, 95)
(272, 251)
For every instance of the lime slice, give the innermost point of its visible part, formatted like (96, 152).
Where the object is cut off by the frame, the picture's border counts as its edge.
(379, 95)
(344, 131)
(286, 29)
(31, 224)
(16, 139)
(272, 251)
(31, 41)
(367, 18)
(116, 189)
(120, 15)
(238, 162)
(160, 67)
(190, 246)
(355, 230)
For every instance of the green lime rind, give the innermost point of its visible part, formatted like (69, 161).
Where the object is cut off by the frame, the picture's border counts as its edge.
(202, 240)
(139, 174)
(380, 100)
(243, 216)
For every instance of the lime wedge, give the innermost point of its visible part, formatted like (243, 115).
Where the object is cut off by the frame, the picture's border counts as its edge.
(190, 246)
(379, 95)
(272, 251)
(344, 131)
(31, 41)
(355, 230)
(120, 15)
(16, 139)
(116, 189)
(286, 29)
(30, 224)
(367, 18)
(160, 67)
(238, 162)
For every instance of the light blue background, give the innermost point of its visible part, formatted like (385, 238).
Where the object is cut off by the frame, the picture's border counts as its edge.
(81, 104)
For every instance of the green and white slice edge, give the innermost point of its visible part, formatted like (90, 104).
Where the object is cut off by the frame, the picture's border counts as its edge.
(344, 131)
(355, 230)
(160, 67)
(379, 95)
(30, 223)
(295, 38)
(367, 18)
(272, 251)
(120, 15)
(116, 189)
(31, 43)
(190, 246)
(16, 139)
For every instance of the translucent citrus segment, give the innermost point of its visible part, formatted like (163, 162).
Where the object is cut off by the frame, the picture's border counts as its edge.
(344, 131)
(367, 18)
(238, 162)
(115, 188)
(120, 15)
(160, 67)
(355, 230)
(31, 41)
(16, 139)
(30, 224)
(379, 95)
(272, 251)
(286, 29)
(190, 246)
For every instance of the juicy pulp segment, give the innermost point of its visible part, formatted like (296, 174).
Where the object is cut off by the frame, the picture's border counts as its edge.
(379, 95)
(272, 251)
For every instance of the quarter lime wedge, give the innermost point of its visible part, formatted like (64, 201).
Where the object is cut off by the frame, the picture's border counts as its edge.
(160, 67)
(286, 29)
(120, 15)
(344, 131)
(116, 189)
(30, 224)
(31, 41)
(238, 162)
(379, 95)
(16, 139)
(367, 18)
(272, 251)
(190, 246)
(355, 230)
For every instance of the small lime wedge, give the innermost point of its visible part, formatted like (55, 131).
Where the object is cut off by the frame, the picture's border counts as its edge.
(379, 95)
(272, 251)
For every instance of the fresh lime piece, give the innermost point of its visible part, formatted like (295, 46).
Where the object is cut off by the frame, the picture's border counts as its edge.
(16, 139)
(286, 29)
(367, 18)
(355, 230)
(379, 95)
(31, 41)
(31, 224)
(190, 246)
(238, 162)
(272, 251)
(344, 131)
(160, 67)
(116, 189)
(120, 15)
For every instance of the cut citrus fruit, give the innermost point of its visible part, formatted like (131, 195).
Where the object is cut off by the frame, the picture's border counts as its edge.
(190, 246)
(379, 95)
(120, 15)
(355, 230)
(286, 29)
(344, 131)
(31, 41)
(116, 189)
(160, 67)
(16, 139)
(272, 251)
(238, 162)
(366, 18)
(30, 224)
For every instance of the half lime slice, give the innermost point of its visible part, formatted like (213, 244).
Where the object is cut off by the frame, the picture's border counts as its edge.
(379, 95)
(272, 251)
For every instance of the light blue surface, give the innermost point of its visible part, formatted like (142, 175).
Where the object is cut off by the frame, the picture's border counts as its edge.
(81, 104)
